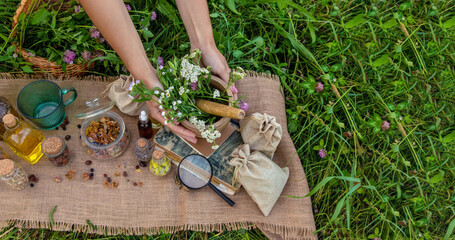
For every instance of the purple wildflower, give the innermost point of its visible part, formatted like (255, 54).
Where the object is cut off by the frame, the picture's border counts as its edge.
(319, 87)
(284, 69)
(124, 69)
(69, 56)
(99, 53)
(77, 9)
(322, 153)
(15, 56)
(128, 7)
(94, 33)
(234, 89)
(243, 105)
(385, 125)
(86, 55)
(194, 86)
(101, 40)
(153, 17)
(31, 54)
(160, 61)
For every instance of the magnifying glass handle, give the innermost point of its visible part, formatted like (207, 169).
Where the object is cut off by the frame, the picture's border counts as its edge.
(228, 200)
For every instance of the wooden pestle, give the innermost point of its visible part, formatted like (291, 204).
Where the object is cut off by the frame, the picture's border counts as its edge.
(219, 109)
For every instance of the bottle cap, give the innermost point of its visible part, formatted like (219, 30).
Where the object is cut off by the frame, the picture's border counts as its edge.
(143, 117)
(141, 142)
(52, 145)
(157, 154)
(9, 120)
(6, 166)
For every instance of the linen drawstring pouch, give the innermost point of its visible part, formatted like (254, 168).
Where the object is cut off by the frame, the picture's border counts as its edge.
(263, 179)
(119, 91)
(262, 132)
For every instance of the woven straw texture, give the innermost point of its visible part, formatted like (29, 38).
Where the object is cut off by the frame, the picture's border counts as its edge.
(159, 204)
(47, 67)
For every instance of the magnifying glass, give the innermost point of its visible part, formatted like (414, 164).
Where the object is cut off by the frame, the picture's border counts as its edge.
(195, 171)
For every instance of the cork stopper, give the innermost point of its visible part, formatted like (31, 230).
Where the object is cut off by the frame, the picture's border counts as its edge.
(141, 142)
(52, 145)
(6, 166)
(9, 120)
(157, 154)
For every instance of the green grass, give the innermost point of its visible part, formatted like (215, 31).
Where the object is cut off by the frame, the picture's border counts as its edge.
(388, 61)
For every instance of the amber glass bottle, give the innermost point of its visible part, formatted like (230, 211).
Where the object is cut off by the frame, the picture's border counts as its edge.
(24, 140)
(145, 126)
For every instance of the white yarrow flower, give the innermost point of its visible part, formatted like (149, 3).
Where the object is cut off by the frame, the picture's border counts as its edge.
(156, 92)
(215, 146)
(216, 93)
(181, 90)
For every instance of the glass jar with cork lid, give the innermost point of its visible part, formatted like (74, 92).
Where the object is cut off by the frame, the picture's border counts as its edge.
(143, 150)
(160, 164)
(56, 150)
(12, 173)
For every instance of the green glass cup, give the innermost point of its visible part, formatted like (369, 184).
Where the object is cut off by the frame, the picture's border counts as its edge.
(42, 103)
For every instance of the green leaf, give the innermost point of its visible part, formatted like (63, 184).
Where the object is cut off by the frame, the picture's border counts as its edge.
(214, 15)
(449, 23)
(401, 106)
(391, 23)
(449, 138)
(437, 178)
(231, 5)
(357, 20)
(27, 69)
(148, 34)
(312, 32)
(237, 53)
(384, 59)
(449, 230)
(40, 16)
(327, 179)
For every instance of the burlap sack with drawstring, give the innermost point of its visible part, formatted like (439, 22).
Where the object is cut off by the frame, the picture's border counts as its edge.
(262, 132)
(119, 93)
(262, 179)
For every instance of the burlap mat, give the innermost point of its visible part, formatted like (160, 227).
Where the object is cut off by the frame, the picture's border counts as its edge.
(159, 204)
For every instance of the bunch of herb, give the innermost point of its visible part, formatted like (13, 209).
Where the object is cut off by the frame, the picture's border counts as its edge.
(184, 81)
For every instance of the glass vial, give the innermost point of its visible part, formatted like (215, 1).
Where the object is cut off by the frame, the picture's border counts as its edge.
(12, 174)
(56, 150)
(160, 164)
(143, 150)
(23, 139)
(5, 108)
(145, 126)
(156, 125)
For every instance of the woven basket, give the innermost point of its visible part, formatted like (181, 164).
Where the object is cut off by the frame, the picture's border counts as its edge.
(26, 7)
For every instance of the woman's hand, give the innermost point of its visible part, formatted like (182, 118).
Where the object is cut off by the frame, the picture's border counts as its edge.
(151, 81)
(211, 56)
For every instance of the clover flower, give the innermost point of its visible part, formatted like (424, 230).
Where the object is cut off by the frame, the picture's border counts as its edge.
(94, 33)
(194, 86)
(243, 105)
(322, 153)
(153, 17)
(234, 89)
(160, 62)
(319, 87)
(69, 56)
(385, 125)
(77, 9)
(86, 55)
(128, 7)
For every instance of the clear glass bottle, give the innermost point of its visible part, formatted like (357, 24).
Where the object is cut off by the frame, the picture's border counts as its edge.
(143, 150)
(56, 150)
(24, 140)
(12, 173)
(156, 125)
(160, 164)
(5, 108)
